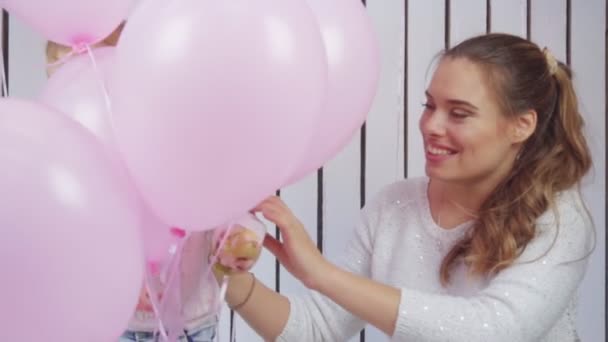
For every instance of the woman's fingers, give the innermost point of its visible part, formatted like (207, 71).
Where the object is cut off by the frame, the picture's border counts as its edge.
(266, 202)
(280, 215)
(272, 203)
(275, 247)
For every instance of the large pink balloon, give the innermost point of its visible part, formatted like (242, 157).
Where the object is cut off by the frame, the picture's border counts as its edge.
(75, 89)
(71, 22)
(157, 239)
(215, 101)
(71, 256)
(354, 68)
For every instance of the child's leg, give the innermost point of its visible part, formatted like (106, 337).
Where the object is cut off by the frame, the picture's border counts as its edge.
(137, 336)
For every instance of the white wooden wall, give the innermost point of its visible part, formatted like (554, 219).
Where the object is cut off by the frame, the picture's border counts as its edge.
(389, 147)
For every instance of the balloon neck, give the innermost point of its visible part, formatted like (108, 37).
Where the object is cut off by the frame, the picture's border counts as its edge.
(81, 44)
(178, 232)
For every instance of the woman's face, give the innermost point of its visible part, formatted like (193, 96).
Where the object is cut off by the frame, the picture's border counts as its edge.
(466, 136)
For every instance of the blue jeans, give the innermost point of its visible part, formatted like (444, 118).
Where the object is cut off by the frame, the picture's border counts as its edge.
(203, 334)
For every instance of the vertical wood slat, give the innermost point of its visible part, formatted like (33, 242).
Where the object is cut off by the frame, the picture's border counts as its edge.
(384, 133)
(587, 37)
(426, 28)
(26, 60)
(4, 41)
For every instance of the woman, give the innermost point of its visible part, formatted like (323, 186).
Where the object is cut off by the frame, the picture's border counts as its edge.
(490, 246)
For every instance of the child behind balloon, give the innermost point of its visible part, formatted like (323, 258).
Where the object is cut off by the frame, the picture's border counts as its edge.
(199, 289)
(232, 250)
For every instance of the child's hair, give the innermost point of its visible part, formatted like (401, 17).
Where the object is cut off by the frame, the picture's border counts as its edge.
(55, 51)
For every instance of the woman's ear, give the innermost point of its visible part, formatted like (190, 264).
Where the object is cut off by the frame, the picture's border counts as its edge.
(523, 126)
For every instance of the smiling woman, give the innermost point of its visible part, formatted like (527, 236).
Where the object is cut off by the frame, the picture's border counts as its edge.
(526, 140)
(498, 221)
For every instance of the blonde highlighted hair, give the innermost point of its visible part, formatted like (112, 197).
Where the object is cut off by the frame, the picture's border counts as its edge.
(55, 52)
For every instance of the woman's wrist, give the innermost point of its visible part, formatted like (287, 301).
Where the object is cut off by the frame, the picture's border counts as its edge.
(240, 286)
(244, 301)
(322, 276)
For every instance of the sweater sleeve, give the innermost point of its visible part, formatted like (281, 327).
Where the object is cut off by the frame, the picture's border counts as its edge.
(314, 317)
(521, 303)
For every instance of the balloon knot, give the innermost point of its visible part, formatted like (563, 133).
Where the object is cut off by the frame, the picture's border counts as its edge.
(178, 232)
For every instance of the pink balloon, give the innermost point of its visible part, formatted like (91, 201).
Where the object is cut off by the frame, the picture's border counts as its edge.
(71, 258)
(71, 22)
(215, 101)
(75, 89)
(157, 239)
(354, 68)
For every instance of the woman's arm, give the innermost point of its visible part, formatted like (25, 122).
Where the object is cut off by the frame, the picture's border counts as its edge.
(373, 302)
(265, 310)
(370, 301)
(313, 317)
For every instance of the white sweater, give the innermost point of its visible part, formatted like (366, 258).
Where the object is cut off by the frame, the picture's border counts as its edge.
(398, 243)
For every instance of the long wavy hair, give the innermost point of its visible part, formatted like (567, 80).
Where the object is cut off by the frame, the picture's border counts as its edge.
(553, 159)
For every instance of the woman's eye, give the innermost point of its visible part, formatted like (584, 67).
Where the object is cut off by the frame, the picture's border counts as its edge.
(428, 105)
(459, 114)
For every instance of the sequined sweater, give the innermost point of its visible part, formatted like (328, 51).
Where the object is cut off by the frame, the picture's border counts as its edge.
(398, 243)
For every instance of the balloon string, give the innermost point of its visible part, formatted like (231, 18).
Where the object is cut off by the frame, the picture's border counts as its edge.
(172, 283)
(215, 256)
(225, 278)
(101, 82)
(155, 305)
(171, 298)
(157, 301)
(220, 302)
(223, 291)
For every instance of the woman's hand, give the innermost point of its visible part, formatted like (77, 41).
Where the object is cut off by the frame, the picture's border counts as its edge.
(297, 253)
(236, 250)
